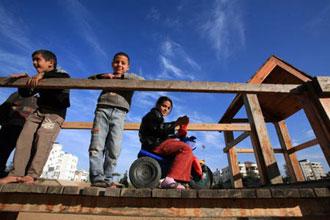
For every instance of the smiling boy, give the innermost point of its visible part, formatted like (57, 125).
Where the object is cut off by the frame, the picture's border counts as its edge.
(42, 126)
(108, 126)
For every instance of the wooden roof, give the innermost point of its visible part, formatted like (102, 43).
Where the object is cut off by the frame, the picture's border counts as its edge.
(275, 107)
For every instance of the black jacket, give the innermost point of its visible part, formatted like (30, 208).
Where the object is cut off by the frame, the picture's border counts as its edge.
(50, 100)
(153, 131)
(16, 109)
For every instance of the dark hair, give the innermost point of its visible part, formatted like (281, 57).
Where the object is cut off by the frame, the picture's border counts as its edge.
(47, 55)
(121, 54)
(163, 99)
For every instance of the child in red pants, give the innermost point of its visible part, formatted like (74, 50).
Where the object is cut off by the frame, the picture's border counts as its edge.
(158, 137)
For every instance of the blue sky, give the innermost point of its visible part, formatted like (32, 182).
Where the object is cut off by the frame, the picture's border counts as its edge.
(215, 40)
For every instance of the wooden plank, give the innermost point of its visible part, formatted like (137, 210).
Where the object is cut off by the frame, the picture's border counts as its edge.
(323, 83)
(304, 145)
(236, 179)
(267, 165)
(152, 85)
(285, 193)
(325, 103)
(291, 160)
(249, 150)
(292, 70)
(239, 120)
(191, 126)
(257, 78)
(317, 113)
(236, 141)
(224, 203)
(166, 193)
(140, 193)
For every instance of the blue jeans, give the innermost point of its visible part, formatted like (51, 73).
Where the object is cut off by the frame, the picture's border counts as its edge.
(105, 146)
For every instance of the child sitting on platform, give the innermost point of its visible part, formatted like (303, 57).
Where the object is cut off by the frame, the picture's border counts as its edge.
(157, 136)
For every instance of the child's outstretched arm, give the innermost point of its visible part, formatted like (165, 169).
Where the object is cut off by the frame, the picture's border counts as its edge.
(18, 75)
(34, 81)
(183, 120)
(104, 76)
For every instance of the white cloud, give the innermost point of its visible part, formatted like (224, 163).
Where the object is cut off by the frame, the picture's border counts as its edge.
(14, 29)
(224, 29)
(147, 99)
(170, 68)
(83, 21)
(175, 62)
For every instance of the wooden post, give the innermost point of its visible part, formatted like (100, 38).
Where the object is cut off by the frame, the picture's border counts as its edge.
(292, 163)
(236, 180)
(267, 165)
(317, 110)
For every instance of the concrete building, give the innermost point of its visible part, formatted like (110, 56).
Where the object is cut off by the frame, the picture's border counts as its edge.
(81, 176)
(217, 176)
(60, 165)
(311, 170)
(246, 169)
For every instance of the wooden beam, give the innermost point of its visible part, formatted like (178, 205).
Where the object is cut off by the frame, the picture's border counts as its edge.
(239, 120)
(249, 150)
(244, 151)
(317, 110)
(232, 109)
(236, 141)
(191, 127)
(236, 180)
(222, 204)
(291, 160)
(302, 146)
(323, 84)
(267, 165)
(152, 85)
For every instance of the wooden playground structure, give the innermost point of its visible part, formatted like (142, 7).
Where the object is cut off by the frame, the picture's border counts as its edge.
(275, 92)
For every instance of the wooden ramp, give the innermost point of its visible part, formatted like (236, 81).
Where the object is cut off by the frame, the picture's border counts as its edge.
(22, 201)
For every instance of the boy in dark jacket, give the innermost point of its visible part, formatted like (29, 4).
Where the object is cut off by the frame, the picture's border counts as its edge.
(42, 126)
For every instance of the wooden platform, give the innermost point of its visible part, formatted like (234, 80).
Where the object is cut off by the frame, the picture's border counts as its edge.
(276, 201)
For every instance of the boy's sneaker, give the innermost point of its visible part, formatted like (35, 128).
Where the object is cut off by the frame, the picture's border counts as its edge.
(100, 183)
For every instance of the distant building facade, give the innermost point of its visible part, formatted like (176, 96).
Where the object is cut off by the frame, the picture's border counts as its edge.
(311, 170)
(81, 176)
(217, 176)
(247, 169)
(60, 165)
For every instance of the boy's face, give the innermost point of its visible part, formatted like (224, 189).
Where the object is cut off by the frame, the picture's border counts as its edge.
(42, 65)
(120, 65)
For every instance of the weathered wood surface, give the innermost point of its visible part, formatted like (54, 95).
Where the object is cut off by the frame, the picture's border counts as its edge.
(291, 160)
(304, 145)
(317, 114)
(249, 150)
(266, 161)
(236, 177)
(153, 85)
(216, 203)
(191, 126)
(236, 141)
(323, 83)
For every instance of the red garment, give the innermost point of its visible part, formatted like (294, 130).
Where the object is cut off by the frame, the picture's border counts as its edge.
(197, 166)
(181, 166)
